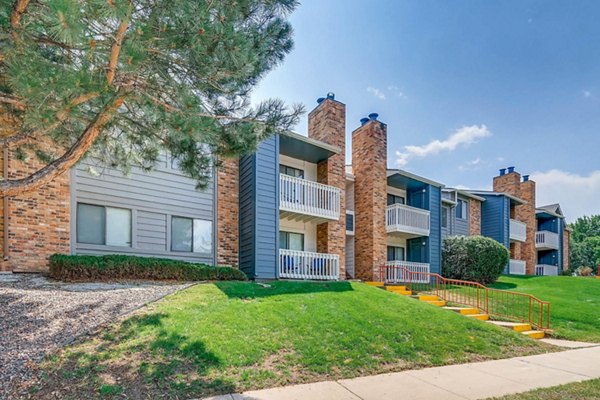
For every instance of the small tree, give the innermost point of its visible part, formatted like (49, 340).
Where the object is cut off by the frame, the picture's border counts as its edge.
(124, 80)
(473, 258)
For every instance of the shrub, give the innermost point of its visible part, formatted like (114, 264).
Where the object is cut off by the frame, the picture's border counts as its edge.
(122, 267)
(473, 258)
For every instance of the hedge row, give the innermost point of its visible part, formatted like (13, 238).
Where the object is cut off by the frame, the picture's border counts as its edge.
(116, 267)
(473, 258)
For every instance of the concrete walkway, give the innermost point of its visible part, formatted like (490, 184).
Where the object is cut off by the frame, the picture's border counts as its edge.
(466, 381)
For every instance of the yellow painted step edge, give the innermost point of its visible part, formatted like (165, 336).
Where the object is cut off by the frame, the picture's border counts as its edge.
(534, 334)
(375, 283)
(467, 311)
(481, 317)
(428, 297)
(438, 303)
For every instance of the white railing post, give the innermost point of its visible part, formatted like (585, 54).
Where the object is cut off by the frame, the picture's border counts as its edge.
(294, 264)
(308, 197)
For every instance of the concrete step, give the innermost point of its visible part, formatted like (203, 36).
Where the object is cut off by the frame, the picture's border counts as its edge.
(463, 310)
(437, 303)
(515, 326)
(377, 284)
(402, 292)
(428, 297)
(395, 287)
(481, 317)
(534, 334)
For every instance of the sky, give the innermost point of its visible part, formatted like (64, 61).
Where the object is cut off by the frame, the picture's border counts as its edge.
(465, 87)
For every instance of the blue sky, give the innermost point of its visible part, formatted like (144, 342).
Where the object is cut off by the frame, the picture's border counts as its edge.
(466, 87)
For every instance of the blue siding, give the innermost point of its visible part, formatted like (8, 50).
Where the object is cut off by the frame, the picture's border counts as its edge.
(259, 211)
(461, 225)
(434, 198)
(549, 257)
(495, 218)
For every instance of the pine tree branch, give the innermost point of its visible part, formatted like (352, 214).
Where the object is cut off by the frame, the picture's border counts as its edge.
(15, 18)
(62, 164)
(61, 116)
(11, 100)
(116, 49)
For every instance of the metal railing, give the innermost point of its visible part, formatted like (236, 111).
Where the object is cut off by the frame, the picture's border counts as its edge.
(545, 269)
(394, 272)
(518, 230)
(546, 240)
(403, 218)
(296, 264)
(503, 304)
(517, 267)
(308, 197)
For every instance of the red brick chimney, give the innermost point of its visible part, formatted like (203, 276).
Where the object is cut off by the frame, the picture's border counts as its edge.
(511, 182)
(327, 123)
(369, 165)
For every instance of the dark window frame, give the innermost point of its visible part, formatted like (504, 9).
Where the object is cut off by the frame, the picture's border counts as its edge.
(193, 250)
(287, 234)
(104, 222)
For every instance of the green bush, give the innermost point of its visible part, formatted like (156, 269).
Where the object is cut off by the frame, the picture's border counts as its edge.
(122, 267)
(473, 258)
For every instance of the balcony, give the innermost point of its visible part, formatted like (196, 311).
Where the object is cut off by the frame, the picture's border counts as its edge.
(518, 230)
(395, 272)
(546, 240)
(404, 219)
(303, 200)
(517, 267)
(544, 269)
(295, 264)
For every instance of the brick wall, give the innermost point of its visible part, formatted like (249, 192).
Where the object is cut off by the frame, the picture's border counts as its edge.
(511, 183)
(566, 249)
(228, 205)
(327, 123)
(474, 217)
(38, 222)
(369, 165)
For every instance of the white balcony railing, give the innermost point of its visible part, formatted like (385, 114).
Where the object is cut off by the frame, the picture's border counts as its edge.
(403, 218)
(307, 197)
(396, 274)
(546, 240)
(544, 269)
(295, 264)
(517, 267)
(518, 230)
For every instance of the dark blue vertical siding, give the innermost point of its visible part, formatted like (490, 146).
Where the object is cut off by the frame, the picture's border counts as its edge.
(259, 211)
(434, 200)
(461, 225)
(495, 218)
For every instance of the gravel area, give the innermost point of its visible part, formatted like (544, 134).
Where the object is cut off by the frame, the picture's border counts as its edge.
(38, 315)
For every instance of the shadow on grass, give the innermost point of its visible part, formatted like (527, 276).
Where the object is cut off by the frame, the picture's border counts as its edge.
(142, 358)
(251, 290)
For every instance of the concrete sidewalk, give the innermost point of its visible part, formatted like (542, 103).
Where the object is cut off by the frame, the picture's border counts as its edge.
(466, 381)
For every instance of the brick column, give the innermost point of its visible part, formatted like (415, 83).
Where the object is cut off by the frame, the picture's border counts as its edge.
(369, 165)
(327, 123)
(474, 217)
(228, 206)
(511, 183)
(566, 249)
(38, 222)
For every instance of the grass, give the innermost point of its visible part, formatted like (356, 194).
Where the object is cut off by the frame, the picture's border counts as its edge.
(575, 302)
(574, 391)
(234, 336)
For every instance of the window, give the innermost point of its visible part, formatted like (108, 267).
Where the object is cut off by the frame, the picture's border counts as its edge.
(103, 225)
(290, 171)
(191, 235)
(291, 241)
(393, 199)
(445, 215)
(349, 221)
(395, 253)
(461, 209)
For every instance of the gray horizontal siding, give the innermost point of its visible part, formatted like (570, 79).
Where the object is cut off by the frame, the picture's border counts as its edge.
(153, 198)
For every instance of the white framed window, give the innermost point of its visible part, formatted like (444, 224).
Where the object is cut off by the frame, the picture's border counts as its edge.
(462, 209)
(102, 225)
(291, 241)
(191, 235)
(395, 253)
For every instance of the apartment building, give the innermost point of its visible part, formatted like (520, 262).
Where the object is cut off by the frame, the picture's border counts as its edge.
(291, 210)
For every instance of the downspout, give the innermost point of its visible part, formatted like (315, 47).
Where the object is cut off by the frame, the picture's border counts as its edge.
(5, 206)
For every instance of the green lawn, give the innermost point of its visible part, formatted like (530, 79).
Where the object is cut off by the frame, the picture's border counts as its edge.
(587, 390)
(575, 302)
(232, 336)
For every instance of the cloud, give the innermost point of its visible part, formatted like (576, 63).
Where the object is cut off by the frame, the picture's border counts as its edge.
(461, 187)
(577, 194)
(376, 92)
(586, 93)
(461, 137)
(470, 164)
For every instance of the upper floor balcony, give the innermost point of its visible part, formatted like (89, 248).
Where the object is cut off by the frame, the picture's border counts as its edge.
(518, 230)
(404, 219)
(304, 200)
(546, 240)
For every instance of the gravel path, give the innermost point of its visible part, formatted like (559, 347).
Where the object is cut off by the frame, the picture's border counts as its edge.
(38, 315)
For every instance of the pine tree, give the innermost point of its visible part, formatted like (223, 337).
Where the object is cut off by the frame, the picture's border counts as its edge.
(124, 80)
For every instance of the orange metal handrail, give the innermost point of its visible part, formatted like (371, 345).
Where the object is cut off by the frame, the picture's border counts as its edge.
(514, 306)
